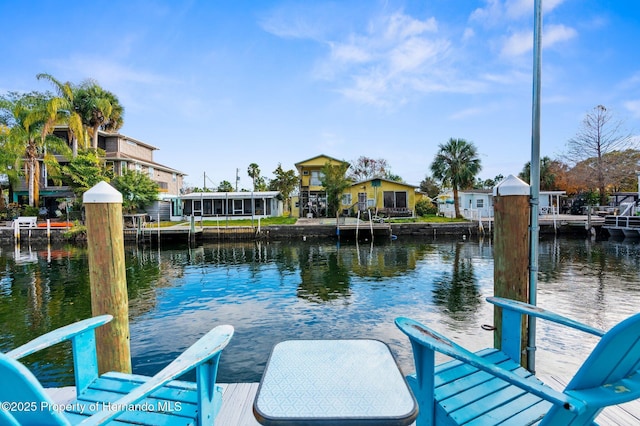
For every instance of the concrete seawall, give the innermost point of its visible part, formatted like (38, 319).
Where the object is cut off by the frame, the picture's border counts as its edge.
(33, 235)
(292, 232)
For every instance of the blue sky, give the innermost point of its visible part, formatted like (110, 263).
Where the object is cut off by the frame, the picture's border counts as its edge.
(217, 85)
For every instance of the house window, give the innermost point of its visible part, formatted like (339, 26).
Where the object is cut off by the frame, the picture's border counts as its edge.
(395, 199)
(316, 177)
(206, 207)
(346, 199)
(123, 167)
(480, 203)
(151, 174)
(138, 167)
(174, 177)
(305, 173)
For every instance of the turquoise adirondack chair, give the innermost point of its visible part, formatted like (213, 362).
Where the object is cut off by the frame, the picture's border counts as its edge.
(490, 387)
(118, 397)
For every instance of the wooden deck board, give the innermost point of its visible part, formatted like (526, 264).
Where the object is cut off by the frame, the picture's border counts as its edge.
(237, 405)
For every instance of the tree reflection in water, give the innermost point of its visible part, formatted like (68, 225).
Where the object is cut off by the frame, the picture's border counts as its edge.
(323, 276)
(457, 291)
(274, 291)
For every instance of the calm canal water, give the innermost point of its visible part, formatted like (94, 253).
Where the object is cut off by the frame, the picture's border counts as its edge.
(314, 290)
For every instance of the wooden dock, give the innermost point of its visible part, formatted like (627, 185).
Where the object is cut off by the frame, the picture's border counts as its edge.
(237, 405)
(568, 223)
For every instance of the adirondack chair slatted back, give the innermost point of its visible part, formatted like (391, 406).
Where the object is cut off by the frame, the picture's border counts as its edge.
(25, 401)
(615, 357)
(24, 396)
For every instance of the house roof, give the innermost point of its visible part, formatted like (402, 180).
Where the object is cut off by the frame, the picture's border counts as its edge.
(128, 138)
(119, 156)
(300, 163)
(223, 195)
(385, 180)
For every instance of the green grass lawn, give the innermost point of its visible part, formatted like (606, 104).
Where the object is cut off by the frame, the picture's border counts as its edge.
(427, 219)
(292, 220)
(236, 222)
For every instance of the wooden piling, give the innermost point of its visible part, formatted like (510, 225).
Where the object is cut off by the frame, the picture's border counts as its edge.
(107, 274)
(511, 250)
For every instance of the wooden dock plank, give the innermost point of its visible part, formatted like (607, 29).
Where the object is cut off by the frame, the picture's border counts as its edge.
(237, 404)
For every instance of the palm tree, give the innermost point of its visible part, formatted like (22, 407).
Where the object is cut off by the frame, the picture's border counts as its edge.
(456, 165)
(10, 154)
(98, 108)
(254, 172)
(547, 173)
(33, 117)
(65, 112)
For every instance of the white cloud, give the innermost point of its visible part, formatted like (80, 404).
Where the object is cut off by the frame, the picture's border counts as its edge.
(349, 53)
(496, 12)
(468, 34)
(107, 71)
(553, 34)
(518, 44)
(401, 26)
(465, 113)
(633, 107)
(395, 56)
(413, 53)
(522, 42)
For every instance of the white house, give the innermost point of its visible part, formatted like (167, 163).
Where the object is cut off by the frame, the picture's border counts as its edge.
(232, 205)
(474, 204)
(478, 203)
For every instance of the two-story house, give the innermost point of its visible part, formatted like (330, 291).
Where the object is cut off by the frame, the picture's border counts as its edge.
(312, 195)
(382, 196)
(121, 153)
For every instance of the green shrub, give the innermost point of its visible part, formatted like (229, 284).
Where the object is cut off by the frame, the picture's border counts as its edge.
(425, 207)
(76, 233)
(30, 211)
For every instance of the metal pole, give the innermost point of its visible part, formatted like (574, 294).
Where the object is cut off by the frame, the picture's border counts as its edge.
(535, 181)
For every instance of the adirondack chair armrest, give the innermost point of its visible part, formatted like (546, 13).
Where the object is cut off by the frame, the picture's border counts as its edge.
(205, 351)
(83, 340)
(536, 311)
(434, 341)
(625, 390)
(59, 335)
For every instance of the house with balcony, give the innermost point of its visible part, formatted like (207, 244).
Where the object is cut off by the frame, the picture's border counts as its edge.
(312, 197)
(382, 196)
(122, 153)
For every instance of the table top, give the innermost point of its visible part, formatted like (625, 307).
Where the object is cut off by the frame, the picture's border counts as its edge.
(333, 382)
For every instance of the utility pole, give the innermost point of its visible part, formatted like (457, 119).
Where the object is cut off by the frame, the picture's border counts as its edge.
(204, 182)
(237, 178)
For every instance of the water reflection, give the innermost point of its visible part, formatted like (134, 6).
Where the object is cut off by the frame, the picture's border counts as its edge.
(282, 290)
(457, 290)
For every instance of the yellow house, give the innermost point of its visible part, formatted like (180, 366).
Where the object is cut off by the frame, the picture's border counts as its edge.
(312, 198)
(383, 196)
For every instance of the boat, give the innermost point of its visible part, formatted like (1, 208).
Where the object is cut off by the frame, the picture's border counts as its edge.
(626, 224)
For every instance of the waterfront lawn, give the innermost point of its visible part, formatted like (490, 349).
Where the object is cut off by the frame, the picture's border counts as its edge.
(432, 218)
(282, 220)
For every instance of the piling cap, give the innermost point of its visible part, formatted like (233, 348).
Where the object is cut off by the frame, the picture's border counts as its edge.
(511, 185)
(102, 193)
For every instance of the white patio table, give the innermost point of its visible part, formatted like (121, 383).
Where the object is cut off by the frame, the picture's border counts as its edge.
(333, 382)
